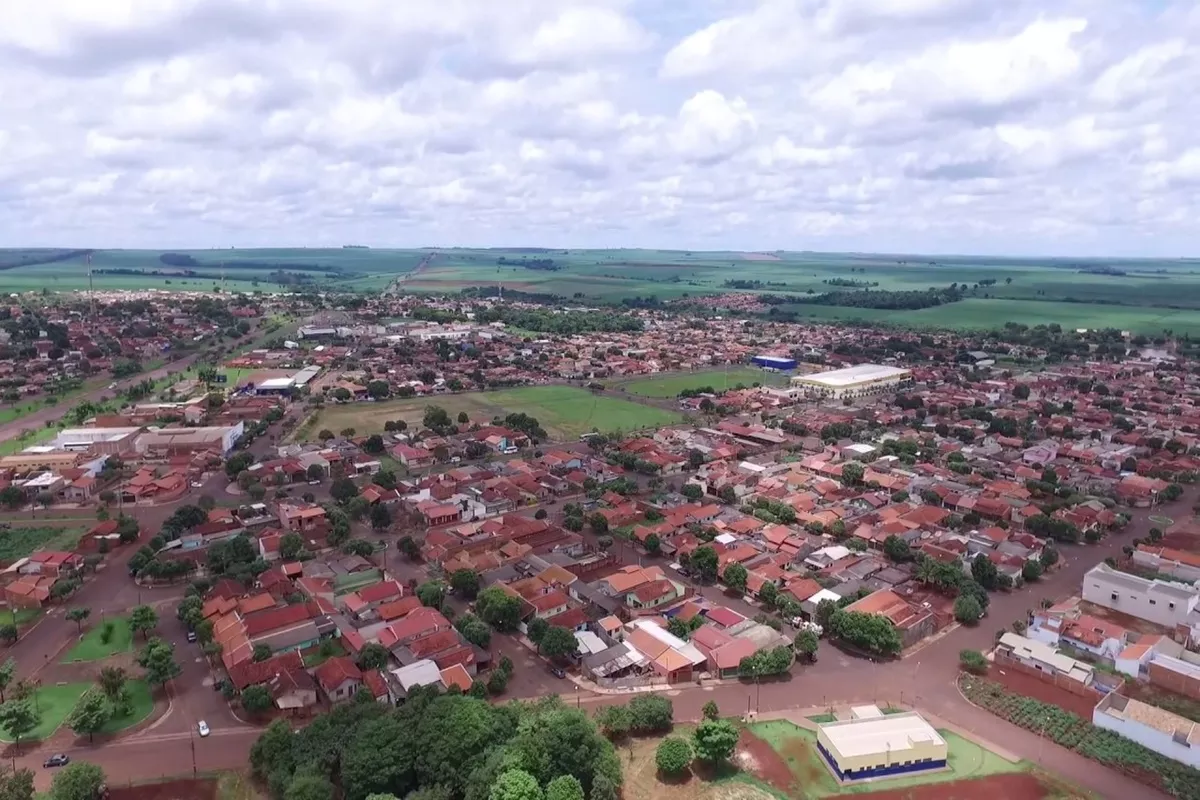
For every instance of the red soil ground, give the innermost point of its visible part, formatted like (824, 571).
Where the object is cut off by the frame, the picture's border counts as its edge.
(758, 757)
(202, 789)
(1030, 686)
(1016, 786)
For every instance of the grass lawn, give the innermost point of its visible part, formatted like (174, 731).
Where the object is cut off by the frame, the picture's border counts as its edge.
(23, 616)
(798, 747)
(143, 705)
(719, 379)
(326, 651)
(54, 703)
(642, 781)
(18, 542)
(564, 411)
(91, 648)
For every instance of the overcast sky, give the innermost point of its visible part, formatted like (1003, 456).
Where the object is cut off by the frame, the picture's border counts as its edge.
(970, 126)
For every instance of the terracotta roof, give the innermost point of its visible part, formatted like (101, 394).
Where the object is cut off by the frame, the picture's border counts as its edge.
(336, 671)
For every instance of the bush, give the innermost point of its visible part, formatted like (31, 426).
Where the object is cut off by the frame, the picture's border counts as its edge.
(973, 661)
(107, 631)
(673, 755)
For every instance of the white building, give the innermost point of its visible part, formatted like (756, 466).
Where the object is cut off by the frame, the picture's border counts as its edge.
(857, 381)
(1044, 658)
(1165, 733)
(1161, 602)
(875, 745)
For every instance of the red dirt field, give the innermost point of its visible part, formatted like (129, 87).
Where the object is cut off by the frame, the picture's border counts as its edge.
(756, 756)
(1030, 686)
(1015, 786)
(202, 789)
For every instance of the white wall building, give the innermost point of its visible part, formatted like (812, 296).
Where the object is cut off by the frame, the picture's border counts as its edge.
(1161, 602)
(1165, 733)
(857, 381)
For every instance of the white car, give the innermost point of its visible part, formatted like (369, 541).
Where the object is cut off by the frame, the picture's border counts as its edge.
(202, 727)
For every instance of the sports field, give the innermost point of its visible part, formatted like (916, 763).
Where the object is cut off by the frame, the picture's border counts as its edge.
(670, 385)
(564, 411)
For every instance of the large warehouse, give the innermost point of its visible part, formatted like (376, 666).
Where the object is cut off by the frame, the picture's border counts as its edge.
(857, 381)
(874, 745)
(781, 363)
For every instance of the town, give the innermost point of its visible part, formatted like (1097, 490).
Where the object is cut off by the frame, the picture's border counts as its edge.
(242, 519)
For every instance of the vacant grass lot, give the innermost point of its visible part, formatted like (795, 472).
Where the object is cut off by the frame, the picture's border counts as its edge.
(92, 646)
(564, 411)
(18, 542)
(798, 747)
(642, 781)
(719, 379)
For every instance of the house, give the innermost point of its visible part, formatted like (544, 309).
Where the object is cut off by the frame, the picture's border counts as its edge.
(913, 623)
(1043, 658)
(1159, 730)
(1161, 602)
(339, 678)
(301, 518)
(654, 594)
(293, 690)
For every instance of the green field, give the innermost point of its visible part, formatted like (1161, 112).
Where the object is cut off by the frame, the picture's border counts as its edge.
(18, 542)
(719, 379)
(798, 747)
(92, 647)
(54, 703)
(564, 411)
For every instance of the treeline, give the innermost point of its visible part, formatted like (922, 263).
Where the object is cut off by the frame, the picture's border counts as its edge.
(850, 283)
(11, 259)
(547, 264)
(886, 300)
(739, 283)
(186, 261)
(513, 294)
(567, 324)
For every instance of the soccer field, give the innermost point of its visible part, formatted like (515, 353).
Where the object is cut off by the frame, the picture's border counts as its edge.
(719, 379)
(564, 411)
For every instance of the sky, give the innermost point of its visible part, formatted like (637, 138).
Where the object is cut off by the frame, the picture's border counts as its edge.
(1019, 127)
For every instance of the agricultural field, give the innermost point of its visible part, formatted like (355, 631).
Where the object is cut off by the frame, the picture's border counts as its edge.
(18, 542)
(670, 385)
(565, 412)
(1076, 733)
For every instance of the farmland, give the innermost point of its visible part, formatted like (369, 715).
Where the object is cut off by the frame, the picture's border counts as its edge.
(1145, 296)
(671, 385)
(18, 542)
(564, 411)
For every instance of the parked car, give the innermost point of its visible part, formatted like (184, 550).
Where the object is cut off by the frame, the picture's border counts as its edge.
(191, 636)
(202, 728)
(558, 672)
(57, 760)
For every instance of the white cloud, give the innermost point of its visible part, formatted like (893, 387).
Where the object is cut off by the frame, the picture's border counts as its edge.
(901, 125)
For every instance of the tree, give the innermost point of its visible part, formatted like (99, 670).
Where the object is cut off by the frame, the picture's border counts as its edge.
(17, 718)
(705, 562)
(143, 619)
(564, 787)
(673, 756)
(158, 659)
(372, 656)
(315, 472)
(603, 788)
(256, 699)
(869, 632)
(409, 548)
(499, 609)
(558, 643)
(599, 523)
(8, 671)
(735, 577)
(897, 549)
(8, 633)
(852, 473)
(984, 572)
(806, 644)
(824, 613)
(112, 681)
(615, 721)
(432, 594)
(91, 712)
(474, 630)
(515, 784)
(381, 518)
(78, 615)
(308, 785)
(692, 491)
(343, 490)
(465, 583)
(653, 545)
(535, 629)
(1031, 571)
(651, 713)
(374, 444)
(967, 610)
(78, 780)
(16, 785)
(715, 740)
(973, 661)
(711, 710)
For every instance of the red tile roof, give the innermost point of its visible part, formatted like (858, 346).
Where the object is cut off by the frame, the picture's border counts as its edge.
(336, 671)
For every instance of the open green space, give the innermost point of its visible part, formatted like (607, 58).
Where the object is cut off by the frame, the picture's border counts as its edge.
(327, 650)
(92, 646)
(22, 616)
(20, 541)
(54, 704)
(564, 411)
(670, 385)
(798, 747)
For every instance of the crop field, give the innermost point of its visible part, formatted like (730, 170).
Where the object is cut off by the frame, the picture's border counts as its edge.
(564, 411)
(671, 385)
(18, 542)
